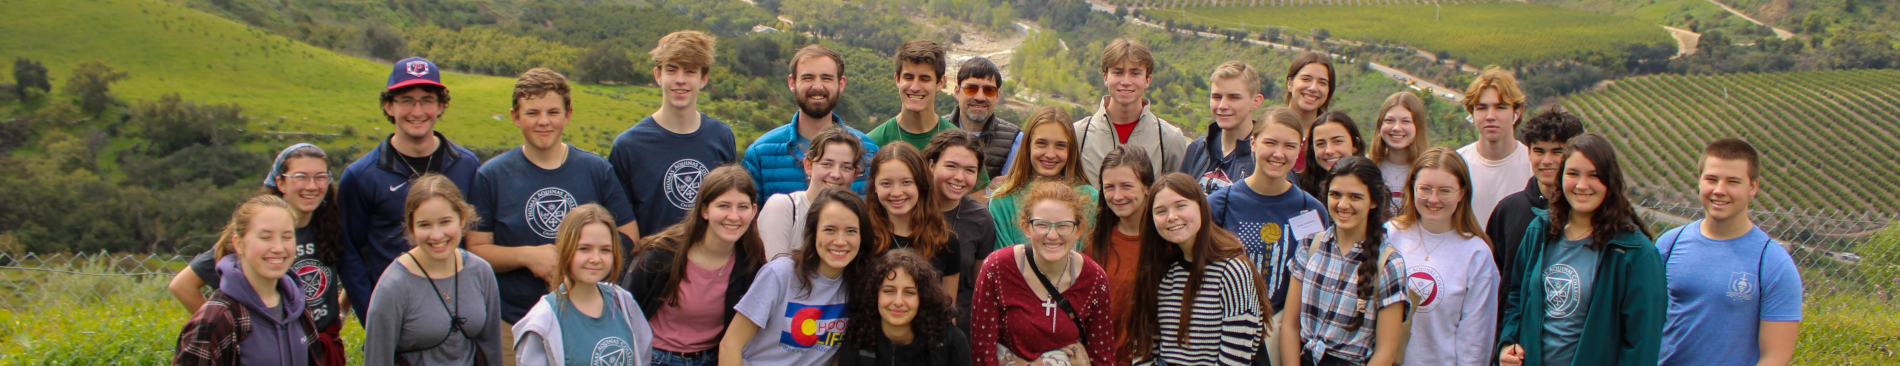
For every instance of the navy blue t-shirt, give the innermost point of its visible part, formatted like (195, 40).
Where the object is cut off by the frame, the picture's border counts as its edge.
(1265, 227)
(523, 205)
(660, 170)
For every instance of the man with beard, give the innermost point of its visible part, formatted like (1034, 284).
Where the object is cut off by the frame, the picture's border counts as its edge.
(775, 159)
(978, 91)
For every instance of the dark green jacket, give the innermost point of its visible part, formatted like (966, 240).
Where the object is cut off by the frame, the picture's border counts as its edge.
(1627, 303)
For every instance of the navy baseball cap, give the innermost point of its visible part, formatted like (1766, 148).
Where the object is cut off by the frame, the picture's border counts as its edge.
(414, 71)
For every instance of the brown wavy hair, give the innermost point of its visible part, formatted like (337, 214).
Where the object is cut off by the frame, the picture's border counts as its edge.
(1293, 70)
(1616, 214)
(1463, 220)
(1420, 119)
(568, 240)
(934, 307)
(805, 259)
(1211, 243)
(689, 232)
(929, 233)
(432, 186)
(1021, 175)
(1130, 156)
(1310, 179)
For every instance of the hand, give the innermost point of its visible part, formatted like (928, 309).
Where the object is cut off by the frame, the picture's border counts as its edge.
(1078, 356)
(1511, 356)
(541, 260)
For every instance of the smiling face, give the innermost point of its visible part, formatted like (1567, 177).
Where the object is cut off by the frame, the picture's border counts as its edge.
(954, 172)
(1176, 218)
(415, 112)
(1232, 103)
(1051, 245)
(977, 98)
(896, 189)
(836, 167)
(1436, 195)
(308, 182)
(1275, 149)
(1493, 118)
(918, 83)
(1049, 150)
(815, 85)
(897, 299)
(1331, 143)
(265, 251)
(1350, 201)
(1725, 188)
(1396, 129)
(1581, 186)
(728, 216)
(837, 237)
(593, 255)
(437, 229)
(1124, 191)
(682, 84)
(541, 120)
(1126, 82)
(1310, 88)
(1547, 158)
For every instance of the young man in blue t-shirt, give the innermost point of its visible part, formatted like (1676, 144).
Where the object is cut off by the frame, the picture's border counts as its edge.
(1268, 212)
(1734, 294)
(660, 161)
(372, 191)
(521, 195)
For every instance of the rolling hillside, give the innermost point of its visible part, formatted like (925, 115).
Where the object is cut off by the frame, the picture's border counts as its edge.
(1828, 137)
(170, 48)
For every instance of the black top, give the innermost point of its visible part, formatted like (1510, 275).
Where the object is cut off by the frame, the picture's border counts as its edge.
(1506, 229)
(976, 237)
(646, 279)
(954, 349)
(945, 259)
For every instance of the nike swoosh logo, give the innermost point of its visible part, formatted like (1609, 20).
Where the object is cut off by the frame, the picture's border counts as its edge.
(398, 186)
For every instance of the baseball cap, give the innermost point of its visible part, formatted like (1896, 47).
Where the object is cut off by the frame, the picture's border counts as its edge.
(414, 71)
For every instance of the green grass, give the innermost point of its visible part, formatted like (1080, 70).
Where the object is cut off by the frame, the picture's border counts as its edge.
(1486, 33)
(170, 48)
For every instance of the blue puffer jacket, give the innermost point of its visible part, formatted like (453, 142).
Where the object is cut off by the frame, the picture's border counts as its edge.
(773, 159)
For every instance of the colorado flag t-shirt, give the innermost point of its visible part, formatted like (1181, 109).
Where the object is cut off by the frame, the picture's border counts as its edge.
(796, 327)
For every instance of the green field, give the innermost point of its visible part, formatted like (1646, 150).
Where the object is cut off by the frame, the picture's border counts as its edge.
(1828, 137)
(1486, 33)
(170, 48)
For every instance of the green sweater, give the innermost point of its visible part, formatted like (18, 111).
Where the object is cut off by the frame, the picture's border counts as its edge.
(1627, 305)
(889, 132)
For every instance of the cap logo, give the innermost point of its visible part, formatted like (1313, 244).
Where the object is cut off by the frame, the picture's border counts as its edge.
(418, 68)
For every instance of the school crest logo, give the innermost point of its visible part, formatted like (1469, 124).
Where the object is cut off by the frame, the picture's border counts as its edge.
(546, 208)
(818, 327)
(1742, 286)
(315, 280)
(1563, 291)
(1423, 285)
(681, 182)
(417, 68)
(612, 351)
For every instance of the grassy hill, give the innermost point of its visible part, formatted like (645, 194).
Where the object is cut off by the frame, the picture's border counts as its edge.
(1828, 137)
(1487, 33)
(170, 48)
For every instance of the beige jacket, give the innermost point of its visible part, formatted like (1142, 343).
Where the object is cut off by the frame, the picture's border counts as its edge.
(1096, 137)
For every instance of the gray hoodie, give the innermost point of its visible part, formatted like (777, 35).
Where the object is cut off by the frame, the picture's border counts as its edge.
(275, 339)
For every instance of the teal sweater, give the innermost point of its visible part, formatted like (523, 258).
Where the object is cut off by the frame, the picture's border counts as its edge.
(1627, 305)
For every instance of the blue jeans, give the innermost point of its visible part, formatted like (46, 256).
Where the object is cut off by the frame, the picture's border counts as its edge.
(666, 358)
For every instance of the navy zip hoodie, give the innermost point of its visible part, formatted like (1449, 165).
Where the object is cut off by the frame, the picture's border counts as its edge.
(370, 196)
(274, 339)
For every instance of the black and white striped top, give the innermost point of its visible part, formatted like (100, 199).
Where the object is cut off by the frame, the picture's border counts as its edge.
(1225, 319)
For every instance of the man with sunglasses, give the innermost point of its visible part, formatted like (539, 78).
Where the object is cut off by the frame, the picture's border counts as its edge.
(371, 193)
(978, 93)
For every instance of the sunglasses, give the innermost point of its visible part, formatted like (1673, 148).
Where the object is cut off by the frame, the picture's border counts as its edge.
(973, 89)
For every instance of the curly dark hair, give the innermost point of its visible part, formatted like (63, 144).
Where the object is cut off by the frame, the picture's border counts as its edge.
(1552, 125)
(934, 307)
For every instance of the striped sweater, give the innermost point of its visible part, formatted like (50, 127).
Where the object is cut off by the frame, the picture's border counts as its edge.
(1224, 319)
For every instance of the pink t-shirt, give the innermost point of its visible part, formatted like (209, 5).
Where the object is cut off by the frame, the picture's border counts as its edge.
(694, 324)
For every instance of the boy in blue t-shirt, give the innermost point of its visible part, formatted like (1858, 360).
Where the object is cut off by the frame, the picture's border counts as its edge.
(660, 161)
(522, 195)
(1734, 294)
(1268, 212)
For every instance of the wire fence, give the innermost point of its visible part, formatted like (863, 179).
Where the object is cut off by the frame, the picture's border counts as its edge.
(105, 308)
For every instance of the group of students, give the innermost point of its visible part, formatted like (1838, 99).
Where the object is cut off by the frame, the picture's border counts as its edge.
(964, 239)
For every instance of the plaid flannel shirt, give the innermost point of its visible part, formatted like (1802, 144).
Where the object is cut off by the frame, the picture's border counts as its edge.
(1328, 297)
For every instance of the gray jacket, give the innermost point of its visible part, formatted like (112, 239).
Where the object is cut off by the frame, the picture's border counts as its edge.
(538, 335)
(1096, 136)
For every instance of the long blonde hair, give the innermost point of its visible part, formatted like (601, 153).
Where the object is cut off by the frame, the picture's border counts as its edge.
(1462, 220)
(240, 223)
(1421, 141)
(568, 240)
(1021, 174)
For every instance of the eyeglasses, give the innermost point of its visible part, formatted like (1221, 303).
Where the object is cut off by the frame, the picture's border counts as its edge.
(304, 180)
(418, 103)
(1423, 191)
(972, 89)
(1042, 227)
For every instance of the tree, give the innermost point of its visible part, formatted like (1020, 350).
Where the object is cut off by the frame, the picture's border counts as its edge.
(172, 124)
(1321, 35)
(385, 42)
(607, 62)
(29, 74)
(92, 85)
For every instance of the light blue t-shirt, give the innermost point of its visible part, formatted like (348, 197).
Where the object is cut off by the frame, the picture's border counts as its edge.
(1720, 291)
(1568, 279)
(595, 341)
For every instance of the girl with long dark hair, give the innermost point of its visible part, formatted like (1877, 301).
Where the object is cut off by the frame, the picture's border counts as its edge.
(688, 277)
(1349, 287)
(1206, 306)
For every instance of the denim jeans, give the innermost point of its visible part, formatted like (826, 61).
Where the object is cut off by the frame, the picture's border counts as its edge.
(665, 358)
